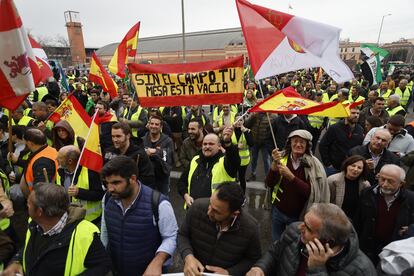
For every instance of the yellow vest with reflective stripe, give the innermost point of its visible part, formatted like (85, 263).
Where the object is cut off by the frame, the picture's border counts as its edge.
(244, 152)
(42, 92)
(80, 241)
(5, 222)
(24, 121)
(220, 118)
(410, 85)
(360, 98)
(218, 174)
(315, 121)
(202, 119)
(404, 95)
(385, 95)
(134, 117)
(276, 188)
(394, 111)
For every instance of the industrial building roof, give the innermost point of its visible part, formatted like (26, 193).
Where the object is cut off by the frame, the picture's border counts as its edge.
(216, 39)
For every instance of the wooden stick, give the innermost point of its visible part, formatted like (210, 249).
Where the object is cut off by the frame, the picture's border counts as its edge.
(10, 143)
(45, 175)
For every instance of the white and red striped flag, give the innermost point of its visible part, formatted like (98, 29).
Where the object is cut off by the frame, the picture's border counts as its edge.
(42, 60)
(278, 42)
(19, 72)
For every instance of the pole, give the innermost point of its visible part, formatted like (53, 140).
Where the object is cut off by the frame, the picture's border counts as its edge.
(83, 149)
(10, 143)
(268, 119)
(183, 29)
(380, 30)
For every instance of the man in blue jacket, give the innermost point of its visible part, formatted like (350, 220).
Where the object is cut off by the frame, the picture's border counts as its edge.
(138, 224)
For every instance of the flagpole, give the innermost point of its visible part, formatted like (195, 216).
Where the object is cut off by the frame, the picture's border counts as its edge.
(241, 116)
(268, 118)
(84, 146)
(10, 144)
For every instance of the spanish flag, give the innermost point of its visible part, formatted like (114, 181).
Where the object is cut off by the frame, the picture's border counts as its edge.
(98, 74)
(91, 155)
(73, 112)
(288, 101)
(127, 48)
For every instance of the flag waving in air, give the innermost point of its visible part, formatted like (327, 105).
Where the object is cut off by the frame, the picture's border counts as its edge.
(42, 61)
(19, 72)
(278, 42)
(371, 68)
(98, 74)
(127, 48)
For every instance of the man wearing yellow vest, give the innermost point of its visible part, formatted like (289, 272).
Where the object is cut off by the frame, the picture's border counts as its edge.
(42, 162)
(40, 113)
(244, 140)
(224, 119)
(6, 211)
(213, 166)
(404, 92)
(84, 186)
(18, 118)
(59, 240)
(135, 116)
(394, 107)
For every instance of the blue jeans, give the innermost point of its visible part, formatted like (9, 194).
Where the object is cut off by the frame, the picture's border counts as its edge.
(265, 155)
(279, 223)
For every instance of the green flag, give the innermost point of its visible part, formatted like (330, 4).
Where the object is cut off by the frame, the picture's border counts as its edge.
(371, 68)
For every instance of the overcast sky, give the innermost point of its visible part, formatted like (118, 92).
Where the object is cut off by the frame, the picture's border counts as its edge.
(106, 22)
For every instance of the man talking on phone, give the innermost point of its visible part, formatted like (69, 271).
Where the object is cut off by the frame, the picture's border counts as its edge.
(323, 244)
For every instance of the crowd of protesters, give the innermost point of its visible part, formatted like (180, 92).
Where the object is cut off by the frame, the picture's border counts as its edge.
(340, 188)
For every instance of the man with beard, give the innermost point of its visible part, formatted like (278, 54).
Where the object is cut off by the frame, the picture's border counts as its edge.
(385, 211)
(121, 140)
(40, 113)
(338, 140)
(208, 169)
(192, 144)
(138, 227)
(218, 224)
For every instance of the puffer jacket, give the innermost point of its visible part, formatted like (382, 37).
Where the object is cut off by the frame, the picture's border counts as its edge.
(235, 250)
(284, 255)
(259, 127)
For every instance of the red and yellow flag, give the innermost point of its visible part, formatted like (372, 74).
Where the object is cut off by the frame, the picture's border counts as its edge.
(288, 101)
(208, 82)
(98, 74)
(127, 48)
(91, 156)
(73, 112)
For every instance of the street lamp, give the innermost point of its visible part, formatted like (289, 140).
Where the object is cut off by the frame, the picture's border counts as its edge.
(183, 27)
(382, 22)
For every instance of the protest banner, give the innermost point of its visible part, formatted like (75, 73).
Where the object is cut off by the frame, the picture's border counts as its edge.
(211, 82)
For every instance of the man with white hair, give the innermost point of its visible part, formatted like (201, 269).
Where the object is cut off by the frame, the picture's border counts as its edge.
(394, 107)
(385, 211)
(376, 153)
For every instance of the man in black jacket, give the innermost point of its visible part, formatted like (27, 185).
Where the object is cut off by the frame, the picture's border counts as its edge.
(384, 212)
(59, 241)
(323, 244)
(213, 166)
(338, 140)
(376, 153)
(283, 125)
(219, 225)
(122, 145)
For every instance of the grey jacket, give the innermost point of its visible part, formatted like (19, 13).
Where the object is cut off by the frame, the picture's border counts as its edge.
(402, 142)
(337, 187)
(283, 258)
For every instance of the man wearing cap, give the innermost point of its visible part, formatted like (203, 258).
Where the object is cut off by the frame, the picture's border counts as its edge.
(297, 178)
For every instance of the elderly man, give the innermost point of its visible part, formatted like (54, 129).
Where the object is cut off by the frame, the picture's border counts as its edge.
(298, 179)
(213, 166)
(401, 142)
(376, 153)
(84, 185)
(59, 240)
(404, 92)
(385, 211)
(218, 224)
(323, 244)
(394, 107)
